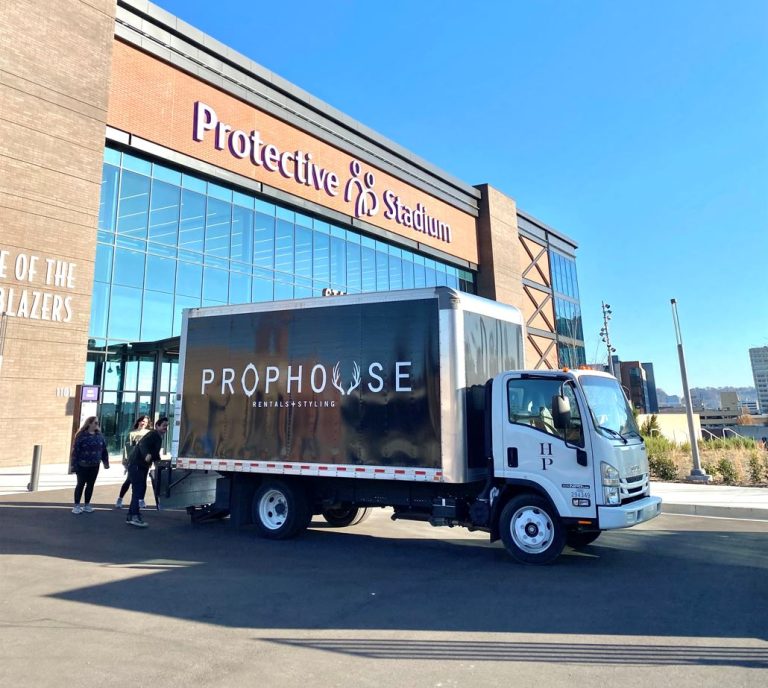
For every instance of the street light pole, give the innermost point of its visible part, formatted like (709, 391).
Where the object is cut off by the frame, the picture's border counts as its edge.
(605, 335)
(698, 474)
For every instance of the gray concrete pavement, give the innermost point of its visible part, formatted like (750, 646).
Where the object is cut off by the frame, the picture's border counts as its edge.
(87, 601)
(679, 498)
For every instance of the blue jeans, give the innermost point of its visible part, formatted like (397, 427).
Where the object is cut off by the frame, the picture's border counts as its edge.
(138, 477)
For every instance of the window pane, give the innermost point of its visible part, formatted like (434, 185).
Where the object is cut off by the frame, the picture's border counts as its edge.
(382, 271)
(108, 202)
(217, 228)
(283, 290)
(338, 263)
(130, 375)
(322, 256)
(303, 239)
(131, 162)
(354, 268)
(129, 268)
(242, 235)
(262, 289)
(419, 275)
(189, 279)
(124, 319)
(99, 306)
(395, 273)
(134, 205)
(181, 303)
(215, 285)
(369, 269)
(264, 241)
(146, 374)
(157, 316)
(408, 277)
(103, 268)
(284, 247)
(161, 273)
(239, 287)
(192, 221)
(164, 213)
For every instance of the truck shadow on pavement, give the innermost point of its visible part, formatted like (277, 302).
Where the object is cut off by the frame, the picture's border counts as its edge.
(381, 576)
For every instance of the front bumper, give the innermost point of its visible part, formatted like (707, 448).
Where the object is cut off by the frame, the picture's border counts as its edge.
(627, 515)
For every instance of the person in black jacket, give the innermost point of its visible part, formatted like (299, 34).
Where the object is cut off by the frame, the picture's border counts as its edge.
(144, 454)
(89, 450)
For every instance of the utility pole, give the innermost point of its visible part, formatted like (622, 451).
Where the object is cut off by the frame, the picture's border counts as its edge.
(606, 337)
(698, 474)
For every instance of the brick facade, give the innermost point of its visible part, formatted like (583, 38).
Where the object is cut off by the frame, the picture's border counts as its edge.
(54, 77)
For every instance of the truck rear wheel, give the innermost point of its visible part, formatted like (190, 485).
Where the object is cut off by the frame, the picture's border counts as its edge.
(280, 510)
(578, 539)
(530, 531)
(341, 517)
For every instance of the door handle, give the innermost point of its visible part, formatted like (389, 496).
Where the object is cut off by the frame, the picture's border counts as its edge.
(512, 457)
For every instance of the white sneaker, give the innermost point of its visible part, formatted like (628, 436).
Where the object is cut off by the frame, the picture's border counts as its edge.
(88, 509)
(119, 503)
(77, 509)
(136, 521)
(142, 505)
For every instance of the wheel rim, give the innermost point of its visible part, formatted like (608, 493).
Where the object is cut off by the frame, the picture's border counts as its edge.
(532, 529)
(273, 509)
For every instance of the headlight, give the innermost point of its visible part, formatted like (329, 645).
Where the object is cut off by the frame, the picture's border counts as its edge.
(610, 479)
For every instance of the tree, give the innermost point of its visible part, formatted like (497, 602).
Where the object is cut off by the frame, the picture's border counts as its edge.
(650, 426)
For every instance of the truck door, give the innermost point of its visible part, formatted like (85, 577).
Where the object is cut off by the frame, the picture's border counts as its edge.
(539, 450)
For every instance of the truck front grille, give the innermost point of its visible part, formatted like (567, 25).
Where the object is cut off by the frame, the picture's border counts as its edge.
(634, 487)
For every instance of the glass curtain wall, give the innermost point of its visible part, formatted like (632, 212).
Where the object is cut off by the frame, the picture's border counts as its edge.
(169, 240)
(570, 334)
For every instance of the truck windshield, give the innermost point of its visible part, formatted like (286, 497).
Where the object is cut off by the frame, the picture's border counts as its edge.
(609, 407)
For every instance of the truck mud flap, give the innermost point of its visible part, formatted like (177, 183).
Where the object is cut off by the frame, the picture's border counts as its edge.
(181, 488)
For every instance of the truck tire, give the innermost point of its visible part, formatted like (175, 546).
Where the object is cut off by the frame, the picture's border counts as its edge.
(530, 531)
(341, 517)
(280, 510)
(578, 539)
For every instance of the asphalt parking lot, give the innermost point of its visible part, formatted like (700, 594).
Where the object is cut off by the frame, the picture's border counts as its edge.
(88, 601)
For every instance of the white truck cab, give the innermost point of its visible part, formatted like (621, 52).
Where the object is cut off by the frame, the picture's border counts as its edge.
(572, 435)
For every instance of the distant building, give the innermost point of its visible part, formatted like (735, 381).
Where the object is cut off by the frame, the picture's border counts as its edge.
(633, 379)
(750, 406)
(730, 412)
(653, 400)
(759, 359)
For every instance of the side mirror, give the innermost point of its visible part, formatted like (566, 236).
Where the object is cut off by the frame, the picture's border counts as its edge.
(561, 411)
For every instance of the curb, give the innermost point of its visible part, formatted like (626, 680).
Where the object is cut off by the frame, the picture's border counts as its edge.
(747, 513)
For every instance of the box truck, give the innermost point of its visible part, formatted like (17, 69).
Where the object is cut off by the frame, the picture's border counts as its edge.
(415, 400)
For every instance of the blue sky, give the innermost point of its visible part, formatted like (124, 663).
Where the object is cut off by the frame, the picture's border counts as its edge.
(638, 129)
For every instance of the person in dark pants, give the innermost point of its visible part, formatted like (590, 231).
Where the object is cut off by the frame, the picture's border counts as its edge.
(88, 451)
(140, 428)
(146, 452)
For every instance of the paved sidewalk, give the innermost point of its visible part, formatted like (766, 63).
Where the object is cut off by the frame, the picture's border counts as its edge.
(53, 476)
(713, 500)
(678, 498)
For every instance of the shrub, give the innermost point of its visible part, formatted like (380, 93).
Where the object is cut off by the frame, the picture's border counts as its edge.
(756, 469)
(727, 470)
(662, 467)
(710, 467)
(658, 446)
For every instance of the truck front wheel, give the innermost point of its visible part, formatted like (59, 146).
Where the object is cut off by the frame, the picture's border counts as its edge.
(343, 516)
(530, 531)
(280, 510)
